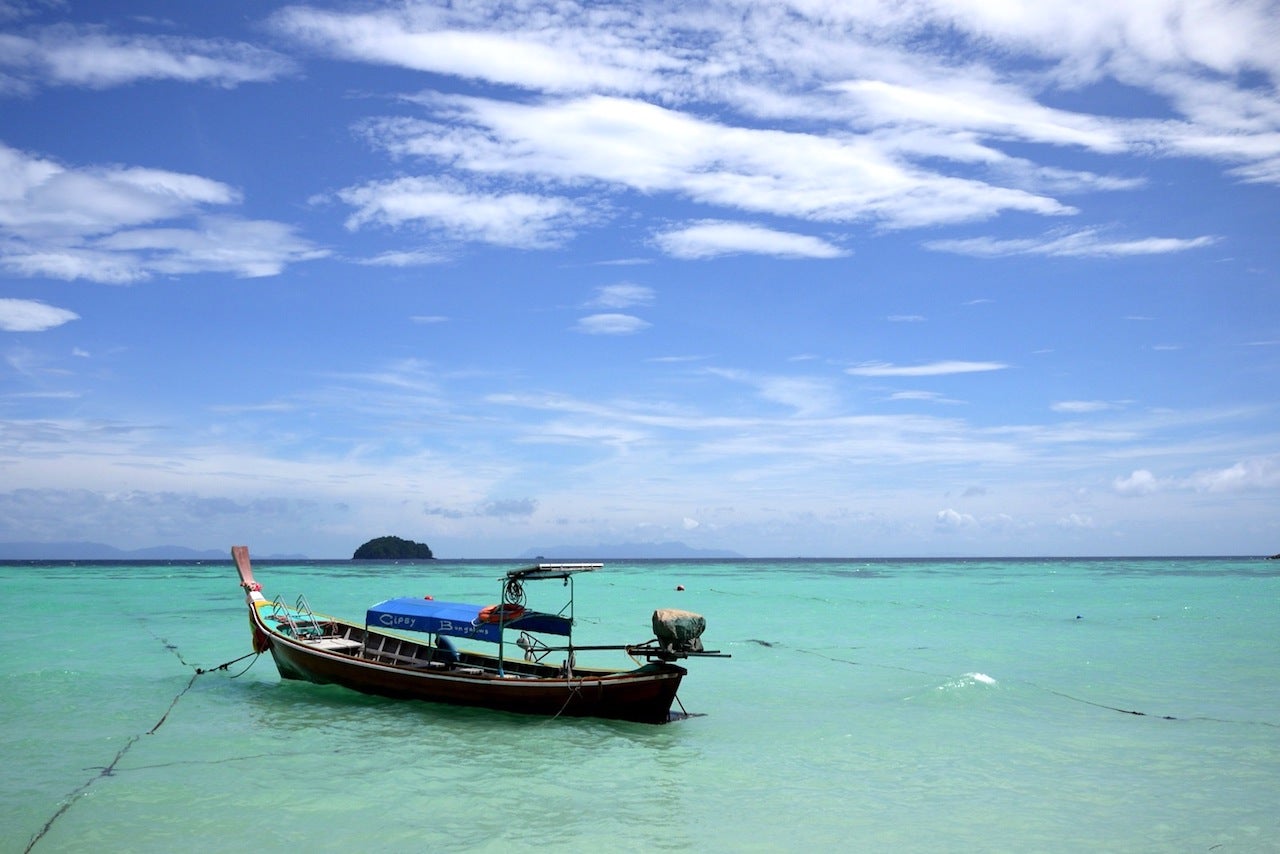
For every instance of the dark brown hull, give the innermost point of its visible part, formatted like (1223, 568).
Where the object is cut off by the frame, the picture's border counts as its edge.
(644, 695)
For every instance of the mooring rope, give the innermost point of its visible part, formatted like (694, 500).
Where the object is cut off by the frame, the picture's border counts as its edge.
(226, 664)
(574, 691)
(1053, 691)
(1056, 693)
(110, 769)
(1100, 705)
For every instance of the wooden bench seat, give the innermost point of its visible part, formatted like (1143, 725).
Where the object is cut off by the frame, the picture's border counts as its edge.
(333, 644)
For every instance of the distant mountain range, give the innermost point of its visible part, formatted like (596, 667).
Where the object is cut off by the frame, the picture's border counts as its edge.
(625, 551)
(102, 551)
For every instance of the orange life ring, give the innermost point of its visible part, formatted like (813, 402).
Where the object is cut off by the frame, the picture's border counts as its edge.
(505, 613)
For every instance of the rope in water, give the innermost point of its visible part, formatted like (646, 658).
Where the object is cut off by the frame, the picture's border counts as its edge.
(1052, 691)
(110, 769)
(1032, 684)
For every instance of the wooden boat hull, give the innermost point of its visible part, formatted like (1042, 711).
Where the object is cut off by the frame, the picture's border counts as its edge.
(644, 695)
(389, 665)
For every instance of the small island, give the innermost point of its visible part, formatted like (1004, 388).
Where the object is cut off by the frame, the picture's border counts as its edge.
(393, 548)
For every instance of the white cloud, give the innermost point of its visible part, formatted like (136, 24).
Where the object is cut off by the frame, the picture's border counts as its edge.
(971, 103)
(1081, 406)
(1135, 41)
(860, 124)
(546, 54)
(70, 263)
(42, 199)
(926, 396)
(23, 315)
(621, 295)
(620, 143)
(244, 248)
(406, 258)
(951, 520)
(808, 396)
(1251, 474)
(1141, 482)
(504, 219)
(125, 224)
(82, 56)
(931, 369)
(610, 324)
(713, 238)
(825, 113)
(1086, 243)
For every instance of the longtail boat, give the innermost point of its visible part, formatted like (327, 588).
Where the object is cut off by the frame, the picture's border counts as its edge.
(404, 650)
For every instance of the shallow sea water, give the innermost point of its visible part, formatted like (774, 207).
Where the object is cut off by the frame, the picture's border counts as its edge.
(930, 705)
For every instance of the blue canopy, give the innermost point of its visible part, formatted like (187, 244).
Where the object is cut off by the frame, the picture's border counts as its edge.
(457, 619)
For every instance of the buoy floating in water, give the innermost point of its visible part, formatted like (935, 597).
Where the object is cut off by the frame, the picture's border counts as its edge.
(679, 586)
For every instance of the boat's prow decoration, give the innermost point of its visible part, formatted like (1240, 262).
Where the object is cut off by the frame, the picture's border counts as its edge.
(252, 589)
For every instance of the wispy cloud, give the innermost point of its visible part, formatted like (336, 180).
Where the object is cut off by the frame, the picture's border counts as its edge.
(611, 324)
(406, 258)
(923, 396)
(805, 395)
(627, 144)
(1087, 243)
(621, 295)
(24, 315)
(1255, 473)
(757, 103)
(1248, 475)
(930, 369)
(504, 219)
(1082, 406)
(125, 224)
(953, 520)
(503, 508)
(94, 57)
(713, 238)
(562, 55)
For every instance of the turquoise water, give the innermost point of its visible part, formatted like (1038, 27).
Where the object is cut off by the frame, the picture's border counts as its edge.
(869, 705)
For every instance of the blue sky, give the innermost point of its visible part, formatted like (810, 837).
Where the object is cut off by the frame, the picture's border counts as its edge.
(787, 278)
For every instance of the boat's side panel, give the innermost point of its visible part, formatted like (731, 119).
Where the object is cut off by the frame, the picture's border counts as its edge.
(640, 696)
